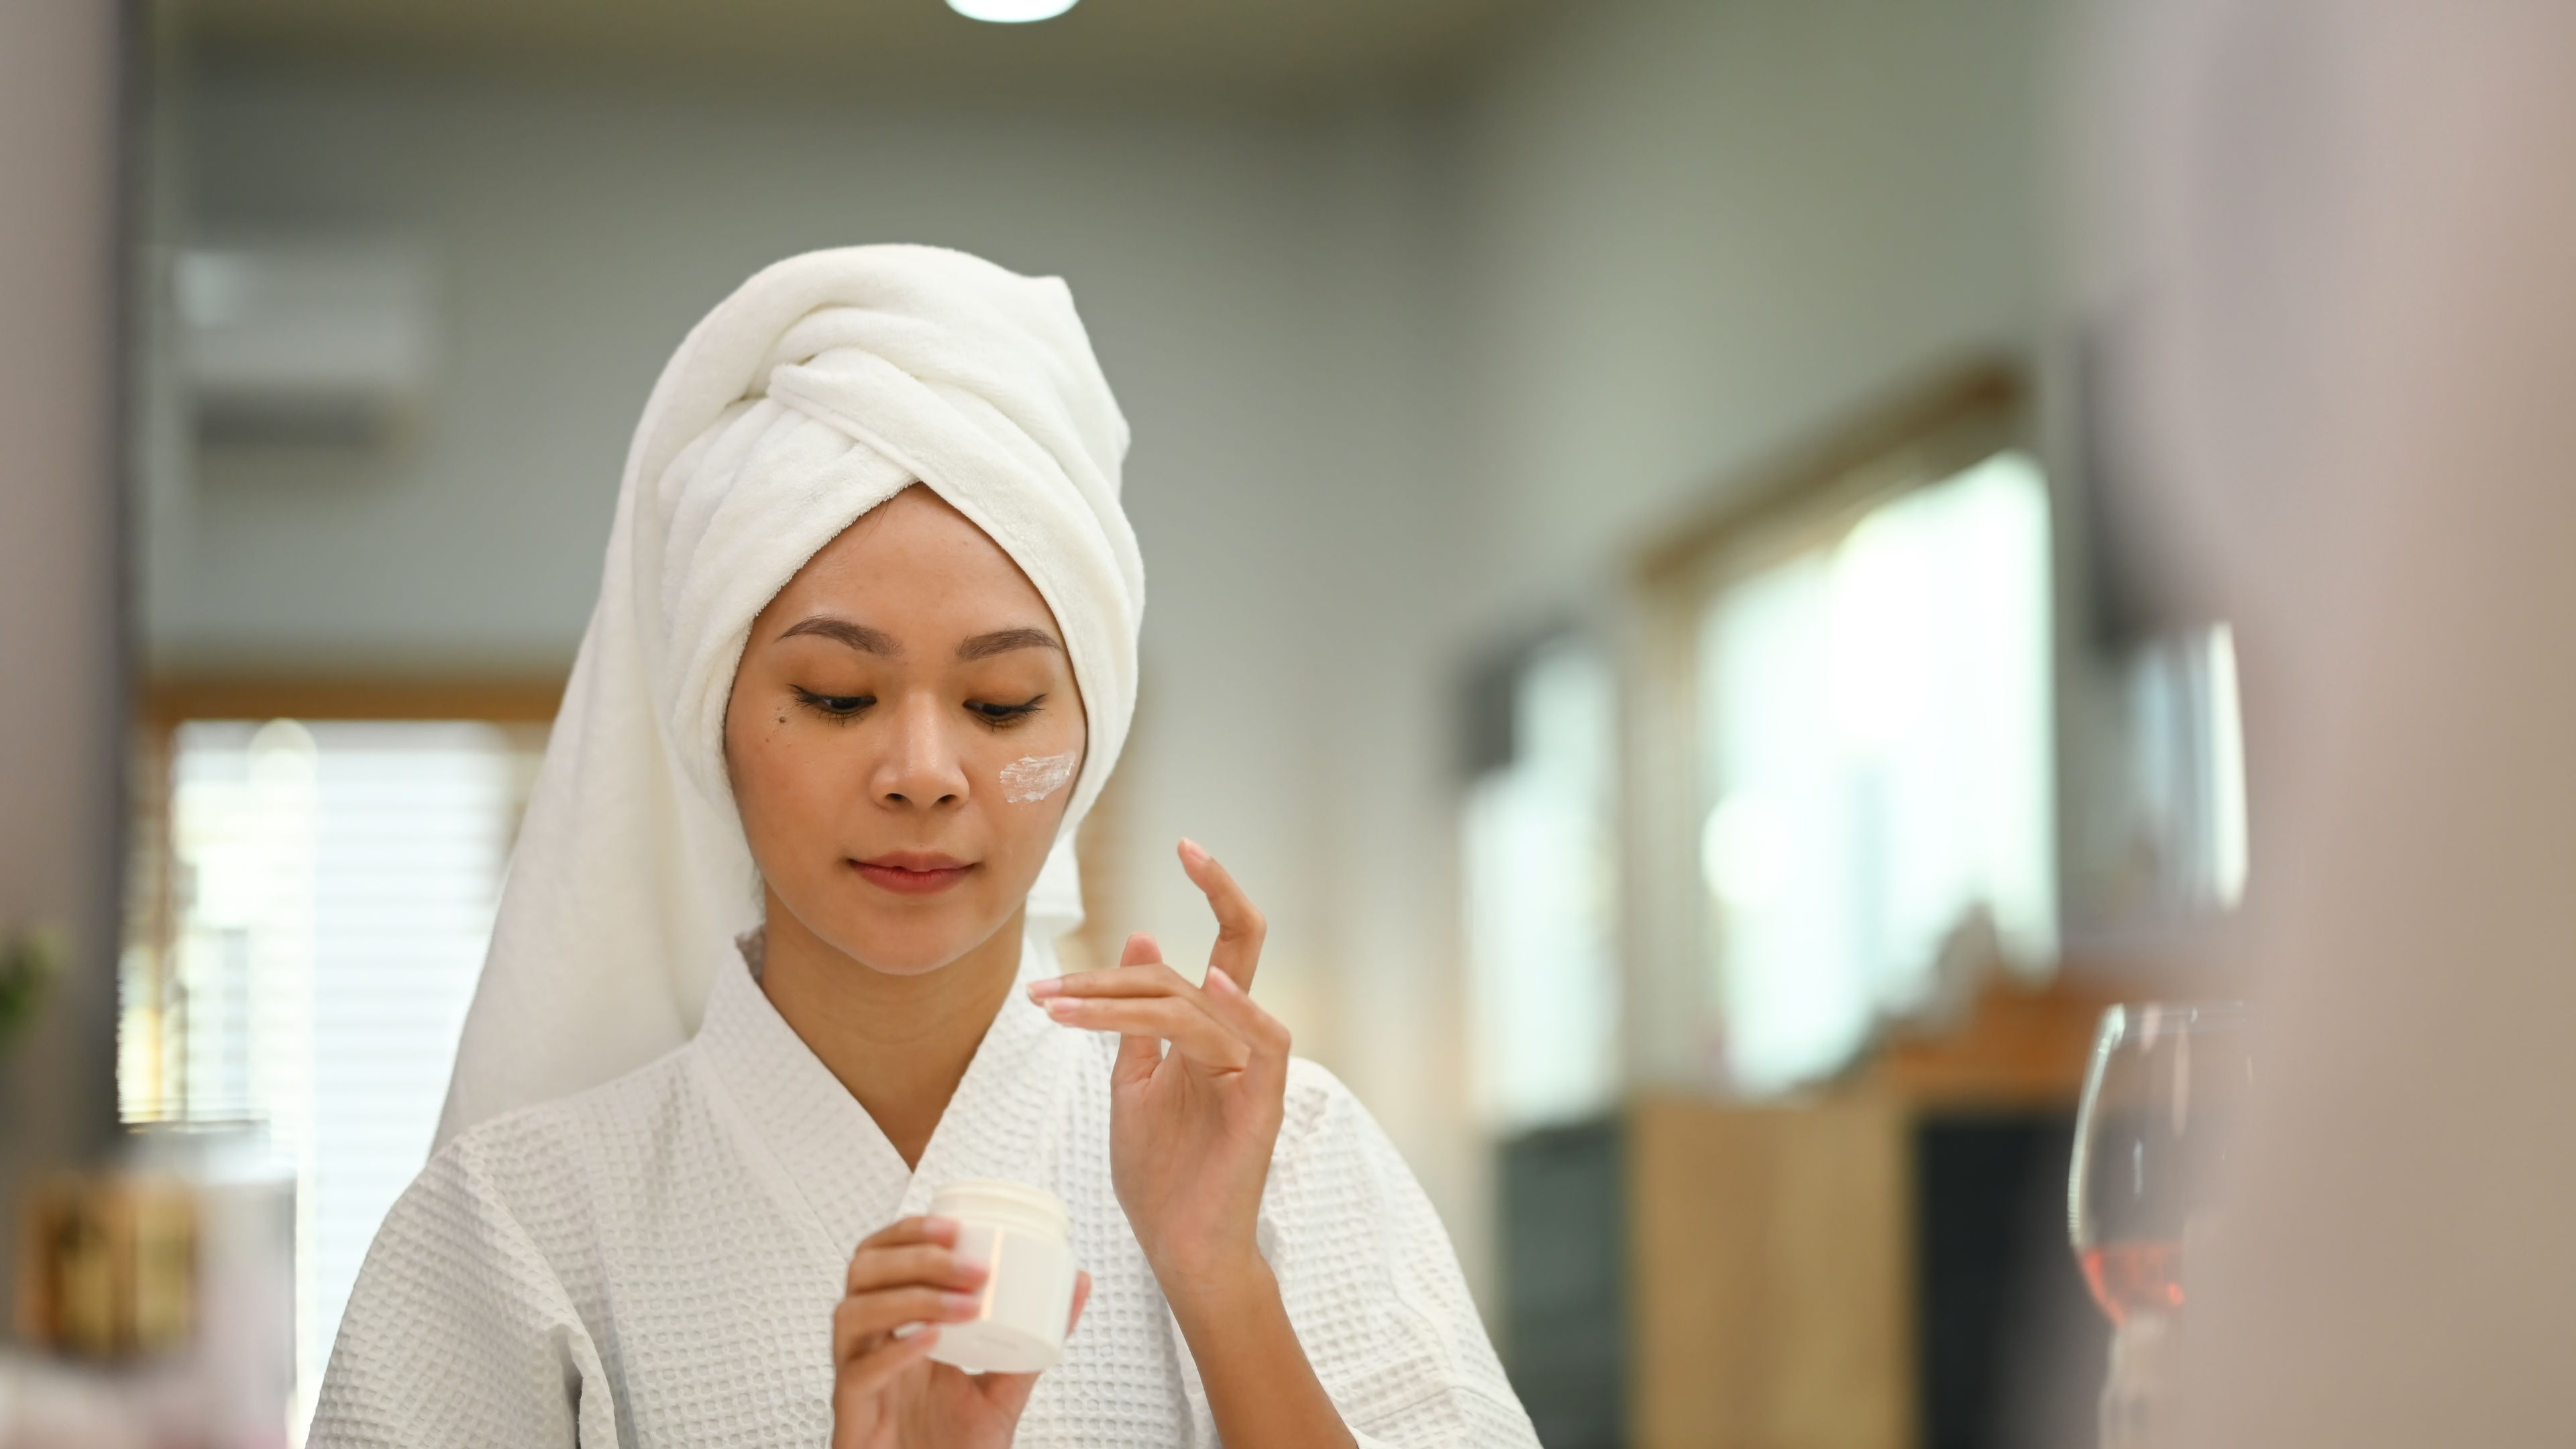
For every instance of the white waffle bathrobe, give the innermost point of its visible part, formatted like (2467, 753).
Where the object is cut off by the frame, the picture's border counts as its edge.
(654, 1262)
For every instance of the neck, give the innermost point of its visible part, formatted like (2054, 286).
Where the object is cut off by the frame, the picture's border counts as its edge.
(900, 1044)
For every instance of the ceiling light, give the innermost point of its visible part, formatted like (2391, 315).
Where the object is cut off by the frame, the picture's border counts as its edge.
(1010, 12)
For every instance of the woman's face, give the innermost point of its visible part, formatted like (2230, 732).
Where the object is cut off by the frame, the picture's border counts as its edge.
(903, 738)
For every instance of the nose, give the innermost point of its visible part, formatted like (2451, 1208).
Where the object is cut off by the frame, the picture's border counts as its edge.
(921, 767)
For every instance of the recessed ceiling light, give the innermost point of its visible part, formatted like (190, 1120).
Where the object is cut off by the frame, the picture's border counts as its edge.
(1010, 12)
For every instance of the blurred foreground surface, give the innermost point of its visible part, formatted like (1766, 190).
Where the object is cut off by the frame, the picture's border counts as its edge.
(2352, 238)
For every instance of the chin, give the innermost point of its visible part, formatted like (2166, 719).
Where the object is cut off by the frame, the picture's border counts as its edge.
(908, 964)
(912, 947)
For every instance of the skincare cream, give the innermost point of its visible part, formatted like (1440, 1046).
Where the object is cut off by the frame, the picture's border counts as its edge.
(1035, 777)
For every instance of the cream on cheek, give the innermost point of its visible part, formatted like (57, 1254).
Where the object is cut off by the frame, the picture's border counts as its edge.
(1035, 777)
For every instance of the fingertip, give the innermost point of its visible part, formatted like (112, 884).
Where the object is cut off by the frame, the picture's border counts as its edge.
(1192, 851)
(942, 1231)
(1141, 950)
(1222, 982)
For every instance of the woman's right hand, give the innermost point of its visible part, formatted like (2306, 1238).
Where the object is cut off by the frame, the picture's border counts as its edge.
(886, 1393)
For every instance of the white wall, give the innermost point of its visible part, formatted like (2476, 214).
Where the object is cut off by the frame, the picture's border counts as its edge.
(579, 233)
(1697, 231)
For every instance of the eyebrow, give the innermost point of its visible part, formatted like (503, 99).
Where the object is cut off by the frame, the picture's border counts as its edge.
(1003, 641)
(877, 641)
(857, 636)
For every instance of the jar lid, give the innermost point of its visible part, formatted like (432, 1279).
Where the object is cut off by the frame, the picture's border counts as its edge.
(1003, 1204)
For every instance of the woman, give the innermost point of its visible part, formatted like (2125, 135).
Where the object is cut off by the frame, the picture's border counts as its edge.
(775, 962)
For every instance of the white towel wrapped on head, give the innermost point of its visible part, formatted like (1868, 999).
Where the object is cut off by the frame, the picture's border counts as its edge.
(822, 387)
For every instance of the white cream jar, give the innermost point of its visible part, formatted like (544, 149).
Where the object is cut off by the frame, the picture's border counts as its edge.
(1020, 1234)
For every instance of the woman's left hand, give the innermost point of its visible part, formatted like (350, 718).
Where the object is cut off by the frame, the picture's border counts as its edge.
(1190, 1130)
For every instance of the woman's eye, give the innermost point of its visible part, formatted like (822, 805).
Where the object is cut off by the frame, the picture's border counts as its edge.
(838, 706)
(1001, 714)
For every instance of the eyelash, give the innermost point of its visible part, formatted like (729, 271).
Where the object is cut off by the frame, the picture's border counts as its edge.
(1003, 716)
(843, 708)
(838, 708)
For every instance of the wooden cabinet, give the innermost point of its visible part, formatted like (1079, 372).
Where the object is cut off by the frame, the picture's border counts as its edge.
(1768, 1275)
(1786, 1269)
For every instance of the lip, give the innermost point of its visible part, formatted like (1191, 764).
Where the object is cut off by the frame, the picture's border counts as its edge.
(914, 873)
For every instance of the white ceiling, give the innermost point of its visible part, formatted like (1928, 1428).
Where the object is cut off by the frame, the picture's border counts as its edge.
(1254, 50)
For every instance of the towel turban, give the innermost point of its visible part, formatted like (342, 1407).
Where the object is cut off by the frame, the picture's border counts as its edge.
(822, 387)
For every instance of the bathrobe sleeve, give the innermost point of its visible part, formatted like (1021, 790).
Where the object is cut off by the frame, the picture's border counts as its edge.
(459, 1331)
(1373, 1286)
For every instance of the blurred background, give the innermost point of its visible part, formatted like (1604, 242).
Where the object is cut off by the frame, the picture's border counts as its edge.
(1630, 597)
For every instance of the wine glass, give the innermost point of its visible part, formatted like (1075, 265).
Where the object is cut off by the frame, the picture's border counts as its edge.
(2164, 1086)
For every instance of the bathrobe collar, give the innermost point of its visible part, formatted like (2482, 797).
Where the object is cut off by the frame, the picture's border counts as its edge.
(1003, 1121)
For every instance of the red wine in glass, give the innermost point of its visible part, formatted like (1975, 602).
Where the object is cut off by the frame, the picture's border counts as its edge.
(2161, 1090)
(2163, 1086)
(2131, 1277)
